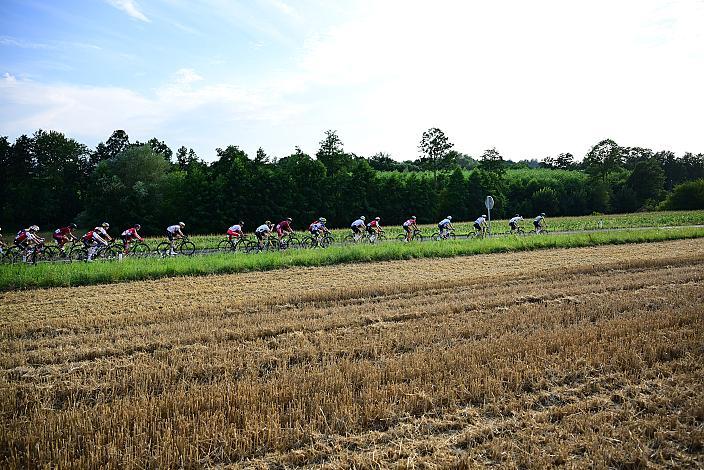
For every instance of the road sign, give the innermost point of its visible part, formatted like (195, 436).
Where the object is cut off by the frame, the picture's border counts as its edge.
(489, 203)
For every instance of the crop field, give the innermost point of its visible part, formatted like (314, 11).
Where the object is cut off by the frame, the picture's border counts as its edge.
(589, 357)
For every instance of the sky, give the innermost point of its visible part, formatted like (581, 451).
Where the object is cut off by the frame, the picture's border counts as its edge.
(529, 78)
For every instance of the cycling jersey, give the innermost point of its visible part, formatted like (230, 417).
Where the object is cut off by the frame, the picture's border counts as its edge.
(130, 233)
(409, 222)
(100, 231)
(444, 223)
(515, 220)
(373, 224)
(263, 228)
(480, 221)
(62, 232)
(357, 223)
(315, 227)
(283, 225)
(21, 236)
(235, 229)
(538, 219)
(173, 228)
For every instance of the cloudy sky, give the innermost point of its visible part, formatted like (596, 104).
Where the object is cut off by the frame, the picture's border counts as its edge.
(529, 78)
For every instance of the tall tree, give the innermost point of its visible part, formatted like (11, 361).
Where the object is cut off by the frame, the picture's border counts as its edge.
(435, 146)
(604, 158)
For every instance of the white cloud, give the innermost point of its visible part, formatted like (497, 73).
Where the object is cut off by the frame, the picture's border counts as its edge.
(130, 7)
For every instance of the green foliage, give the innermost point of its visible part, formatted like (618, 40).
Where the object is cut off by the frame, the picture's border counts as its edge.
(686, 196)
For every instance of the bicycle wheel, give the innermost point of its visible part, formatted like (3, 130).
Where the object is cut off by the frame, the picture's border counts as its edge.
(140, 250)
(401, 237)
(291, 242)
(307, 242)
(163, 249)
(226, 245)
(418, 237)
(326, 241)
(109, 253)
(78, 254)
(349, 238)
(49, 253)
(187, 248)
(436, 237)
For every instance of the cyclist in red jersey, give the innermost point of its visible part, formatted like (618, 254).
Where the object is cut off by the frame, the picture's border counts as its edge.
(283, 228)
(235, 231)
(129, 235)
(374, 229)
(64, 235)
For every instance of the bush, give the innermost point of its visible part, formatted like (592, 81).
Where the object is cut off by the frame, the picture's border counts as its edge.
(689, 195)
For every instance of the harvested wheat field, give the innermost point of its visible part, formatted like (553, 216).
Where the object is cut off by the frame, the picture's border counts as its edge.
(589, 357)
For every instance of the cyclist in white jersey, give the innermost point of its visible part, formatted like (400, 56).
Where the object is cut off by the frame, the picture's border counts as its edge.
(480, 224)
(538, 222)
(513, 222)
(262, 232)
(445, 225)
(358, 227)
(174, 231)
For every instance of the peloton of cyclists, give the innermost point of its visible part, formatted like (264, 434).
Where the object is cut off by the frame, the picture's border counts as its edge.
(95, 239)
(410, 226)
(262, 232)
(538, 222)
(235, 231)
(172, 232)
(129, 235)
(444, 226)
(374, 229)
(64, 235)
(514, 222)
(358, 227)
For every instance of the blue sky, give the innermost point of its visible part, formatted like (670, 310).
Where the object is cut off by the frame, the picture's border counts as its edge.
(529, 78)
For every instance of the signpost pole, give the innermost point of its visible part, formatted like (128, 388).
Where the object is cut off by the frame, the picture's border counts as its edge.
(489, 203)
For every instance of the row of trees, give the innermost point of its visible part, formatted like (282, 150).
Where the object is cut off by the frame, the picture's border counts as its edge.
(50, 179)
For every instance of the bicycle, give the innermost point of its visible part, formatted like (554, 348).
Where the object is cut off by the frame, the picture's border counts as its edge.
(182, 246)
(416, 235)
(32, 255)
(353, 237)
(448, 235)
(236, 244)
(323, 241)
(519, 231)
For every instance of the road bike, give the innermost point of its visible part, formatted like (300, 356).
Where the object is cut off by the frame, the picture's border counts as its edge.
(447, 235)
(234, 245)
(321, 241)
(182, 246)
(417, 235)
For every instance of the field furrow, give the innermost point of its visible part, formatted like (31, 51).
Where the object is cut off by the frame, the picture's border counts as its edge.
(585, 357)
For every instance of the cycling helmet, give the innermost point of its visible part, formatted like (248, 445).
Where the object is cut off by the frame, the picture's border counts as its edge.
(73, 226)
(377, 218)
(543, 214)
(361, 217)
(289, 219)
(449, 217)
(182, 224)
(241, 223)
(137, 226)
(483, 215)
(413, 217)
(268, 222)
(517, 215)
(322, 219)
(34, 228)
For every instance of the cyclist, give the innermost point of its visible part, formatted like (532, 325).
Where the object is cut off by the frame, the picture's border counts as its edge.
(480, 225)
(283, 228)
(26, 239)
(358, 227)
(262, 232)
(513, 223)
(2, 244)
(444, 226)
(318, 226)
(96, 238)
(410, 226)
(538, 222)
(174, 231)
(235, 231)
(64, 235)
(374, 229)
(129, 235)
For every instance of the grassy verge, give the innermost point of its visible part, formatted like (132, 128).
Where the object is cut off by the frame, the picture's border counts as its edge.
(77, 274)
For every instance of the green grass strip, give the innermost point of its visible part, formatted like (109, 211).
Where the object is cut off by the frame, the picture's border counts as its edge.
(13, 277)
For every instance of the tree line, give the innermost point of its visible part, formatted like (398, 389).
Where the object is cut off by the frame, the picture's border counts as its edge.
(50, 179)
